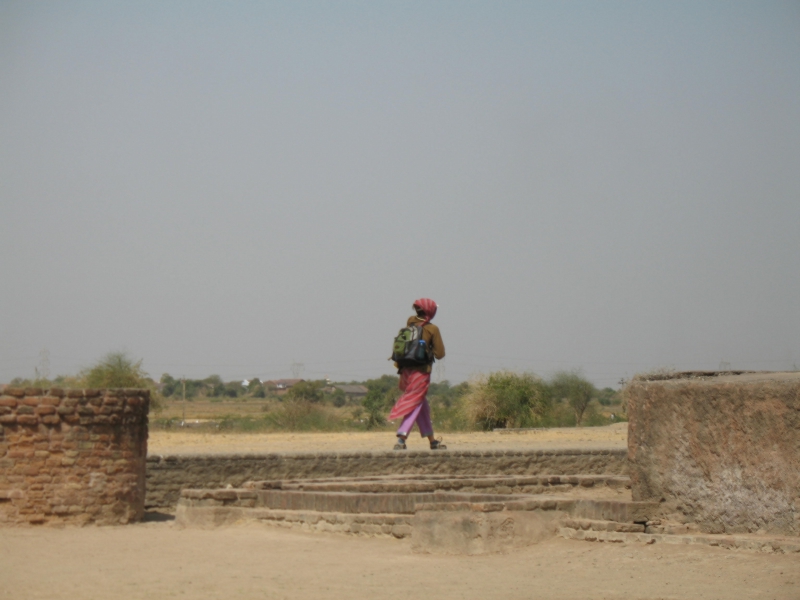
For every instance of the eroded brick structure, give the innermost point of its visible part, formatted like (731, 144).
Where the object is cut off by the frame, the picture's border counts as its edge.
(720, 451)
(72, 456)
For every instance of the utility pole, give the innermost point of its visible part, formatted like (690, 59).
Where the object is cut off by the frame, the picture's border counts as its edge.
(183, 384)
(44, 363)
(297, 369)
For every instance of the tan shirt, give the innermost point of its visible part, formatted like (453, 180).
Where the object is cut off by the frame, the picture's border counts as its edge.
(432, 337)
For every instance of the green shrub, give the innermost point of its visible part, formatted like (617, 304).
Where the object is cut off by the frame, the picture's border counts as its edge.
(575, 389)
(375, 406)
(301, 415)
(118, 370)
(593, 417)
(306, 391)
(506, 399)
(559, 415)
(338, 398)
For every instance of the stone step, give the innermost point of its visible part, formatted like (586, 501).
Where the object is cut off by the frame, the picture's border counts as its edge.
(751, 542)
(595, 525)
(386, 525)
(421, 484)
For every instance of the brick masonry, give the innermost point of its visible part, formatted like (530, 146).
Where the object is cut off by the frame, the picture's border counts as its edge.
(72, 456)
(168, 475)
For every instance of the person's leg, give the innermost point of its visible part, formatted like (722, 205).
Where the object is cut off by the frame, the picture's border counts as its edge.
(426, 426)
(415, 387)
(408, 422)
(424, 420)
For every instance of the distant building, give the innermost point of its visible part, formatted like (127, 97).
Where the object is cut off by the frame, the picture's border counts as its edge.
(353, 391)
(281, 384)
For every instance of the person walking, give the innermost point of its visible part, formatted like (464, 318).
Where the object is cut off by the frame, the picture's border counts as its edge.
(413, 405)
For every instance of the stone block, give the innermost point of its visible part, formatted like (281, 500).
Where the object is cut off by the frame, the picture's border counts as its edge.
(8, 401)
(473, 532)
(718, 450)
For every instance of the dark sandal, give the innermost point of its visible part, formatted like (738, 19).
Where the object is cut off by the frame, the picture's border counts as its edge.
(438, 445)
(400, 445)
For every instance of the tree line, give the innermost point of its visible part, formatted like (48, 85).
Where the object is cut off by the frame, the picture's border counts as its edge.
(502, 399)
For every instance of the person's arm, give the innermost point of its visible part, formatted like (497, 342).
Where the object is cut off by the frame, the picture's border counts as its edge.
(438, 345)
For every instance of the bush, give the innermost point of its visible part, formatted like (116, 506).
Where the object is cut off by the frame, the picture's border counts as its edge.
(301, 415)
(306, 391)
(447, 406)
(575, 389)
(506, 399)
(338, 398)
(375, 405)
(559, 415)
(118, 370)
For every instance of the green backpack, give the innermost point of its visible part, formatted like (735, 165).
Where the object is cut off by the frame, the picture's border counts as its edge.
(409, 349)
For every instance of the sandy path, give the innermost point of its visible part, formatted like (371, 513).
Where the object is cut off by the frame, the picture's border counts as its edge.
(190, 442)
(157, 560)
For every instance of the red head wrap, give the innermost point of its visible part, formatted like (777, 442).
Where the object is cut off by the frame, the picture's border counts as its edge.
(428, 307)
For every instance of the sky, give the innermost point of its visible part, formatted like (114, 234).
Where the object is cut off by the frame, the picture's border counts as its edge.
(262, 189)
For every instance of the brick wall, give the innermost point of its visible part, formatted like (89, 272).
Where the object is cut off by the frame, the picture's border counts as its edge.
(168, 475)
(72, 456)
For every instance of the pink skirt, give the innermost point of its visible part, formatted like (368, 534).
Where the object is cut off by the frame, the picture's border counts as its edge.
(414, 385)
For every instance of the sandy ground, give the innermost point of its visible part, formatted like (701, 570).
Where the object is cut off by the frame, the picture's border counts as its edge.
(191, 442)
(157, 560)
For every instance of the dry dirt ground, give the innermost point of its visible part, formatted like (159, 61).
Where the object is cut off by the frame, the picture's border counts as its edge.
(191, 442)
(157, 560)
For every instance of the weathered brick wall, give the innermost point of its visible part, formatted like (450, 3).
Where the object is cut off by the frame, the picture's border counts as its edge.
(72, 456)
(721, 451)
(168, 475)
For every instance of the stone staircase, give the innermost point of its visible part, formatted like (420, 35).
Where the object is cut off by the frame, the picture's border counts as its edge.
(458, 514)
(652, 532)
(493, 513)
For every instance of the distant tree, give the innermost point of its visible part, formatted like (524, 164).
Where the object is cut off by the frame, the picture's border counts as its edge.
(338, 398)
(375, 404)
(255, 388)
(214, 386)
(308, 391)
(577, 391)
(608, 396)
(446, 395)
(506, 399)
(384, 384)
(169, 385)
(232, 389)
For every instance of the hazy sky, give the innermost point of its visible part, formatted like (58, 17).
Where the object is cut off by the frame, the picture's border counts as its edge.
(231, 188)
